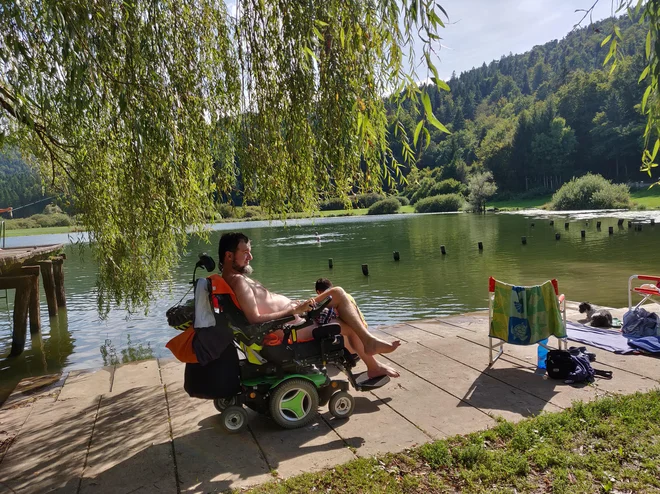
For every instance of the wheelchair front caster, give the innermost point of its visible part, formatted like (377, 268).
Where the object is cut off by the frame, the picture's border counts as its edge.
(341, 405)
(222, 403)
(234, 419)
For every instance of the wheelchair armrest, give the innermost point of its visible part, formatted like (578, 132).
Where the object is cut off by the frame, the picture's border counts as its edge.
(256, 332)
(268, 326)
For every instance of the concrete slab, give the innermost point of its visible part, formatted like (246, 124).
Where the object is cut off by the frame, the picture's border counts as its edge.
(473, 387)
(86, 384)
(445, 388)
(474, 321)
(409, 333)
(377, 425)
(442, 329)
(519, 374)
(310, 449)
(36, 388)
(135, 375)
(434, 411)
(131, 447)
(11, 421)
(49, 453)
(625, 376)
(207, 458)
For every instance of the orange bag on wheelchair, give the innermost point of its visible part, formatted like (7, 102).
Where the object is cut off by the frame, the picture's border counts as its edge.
(182, 348)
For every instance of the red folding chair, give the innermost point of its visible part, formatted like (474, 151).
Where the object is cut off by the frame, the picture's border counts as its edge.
(646, 291)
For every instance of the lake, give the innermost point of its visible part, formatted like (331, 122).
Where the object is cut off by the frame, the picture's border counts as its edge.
(288, 259)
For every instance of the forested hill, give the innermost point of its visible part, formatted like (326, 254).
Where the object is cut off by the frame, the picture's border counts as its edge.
(19, 185)
(537, 119)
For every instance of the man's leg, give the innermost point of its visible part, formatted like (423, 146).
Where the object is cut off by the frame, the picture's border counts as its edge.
(348, 314)
(354, 345)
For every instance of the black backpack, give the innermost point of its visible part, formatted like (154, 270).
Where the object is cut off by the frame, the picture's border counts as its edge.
(573, 365)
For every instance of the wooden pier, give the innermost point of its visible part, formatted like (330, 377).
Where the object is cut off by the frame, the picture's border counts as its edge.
(20, 269)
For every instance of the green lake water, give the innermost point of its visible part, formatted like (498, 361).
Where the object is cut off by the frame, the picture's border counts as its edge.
(288, 260)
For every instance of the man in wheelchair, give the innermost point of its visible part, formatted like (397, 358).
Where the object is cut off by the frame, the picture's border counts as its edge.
(260, 305)
(284, 372)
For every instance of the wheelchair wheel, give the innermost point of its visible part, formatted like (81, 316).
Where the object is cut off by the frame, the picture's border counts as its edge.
(294, 403)
(222, 403)
(341, 405)
(234, 419)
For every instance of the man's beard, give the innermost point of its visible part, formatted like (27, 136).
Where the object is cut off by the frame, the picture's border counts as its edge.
(247, 269)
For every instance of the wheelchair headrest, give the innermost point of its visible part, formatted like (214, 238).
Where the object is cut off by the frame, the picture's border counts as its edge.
(326, 331)
(206, 262)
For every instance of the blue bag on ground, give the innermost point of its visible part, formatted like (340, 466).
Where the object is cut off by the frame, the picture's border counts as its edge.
(640, 322)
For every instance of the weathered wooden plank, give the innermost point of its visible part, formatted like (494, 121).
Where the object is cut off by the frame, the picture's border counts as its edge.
(10, 282)
(13, 257)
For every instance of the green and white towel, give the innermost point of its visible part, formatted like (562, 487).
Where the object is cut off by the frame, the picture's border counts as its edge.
(524, 315)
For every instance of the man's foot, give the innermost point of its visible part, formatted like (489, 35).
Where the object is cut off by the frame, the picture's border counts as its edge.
(382, 370)
(375, 346)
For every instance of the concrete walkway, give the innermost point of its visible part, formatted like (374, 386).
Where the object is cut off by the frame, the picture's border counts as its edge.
(134, 429)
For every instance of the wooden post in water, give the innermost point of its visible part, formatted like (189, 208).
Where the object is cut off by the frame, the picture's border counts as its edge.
(480, 245)
(34, 310)
(566, 225)
(365, 269)
(557, 236)
(524, 240)
(396, 255)
(49, 286)
(23, 287)
(58, 274)
(330, 263)
(583, 233)
(611, 230)
(597, 225)
(21, 309)
(620, 222)
(443, 250)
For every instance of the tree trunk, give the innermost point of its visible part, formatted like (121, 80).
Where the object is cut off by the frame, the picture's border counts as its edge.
(617, 168)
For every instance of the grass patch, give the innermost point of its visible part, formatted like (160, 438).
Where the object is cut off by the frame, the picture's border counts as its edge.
(520, 203)
(648, 198)
(22, 232)
(610, 445)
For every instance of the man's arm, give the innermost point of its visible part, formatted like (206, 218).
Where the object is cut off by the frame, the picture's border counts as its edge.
(250, 308)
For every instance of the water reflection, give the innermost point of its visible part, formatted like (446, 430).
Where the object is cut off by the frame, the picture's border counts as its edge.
(46, 352)
(130, 353)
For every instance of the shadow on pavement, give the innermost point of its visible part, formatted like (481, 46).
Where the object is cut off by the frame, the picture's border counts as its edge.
(515, 390)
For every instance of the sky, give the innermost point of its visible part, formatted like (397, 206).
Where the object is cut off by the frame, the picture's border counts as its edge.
(483, 30)
(480, 31)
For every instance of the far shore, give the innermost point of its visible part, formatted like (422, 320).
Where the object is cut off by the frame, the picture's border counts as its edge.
(647, 202)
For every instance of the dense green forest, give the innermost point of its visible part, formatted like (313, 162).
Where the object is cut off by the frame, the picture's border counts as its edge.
(19, 184)
(538, 119)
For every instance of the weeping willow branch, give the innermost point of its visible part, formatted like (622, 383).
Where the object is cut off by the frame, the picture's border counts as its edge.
(151, 108)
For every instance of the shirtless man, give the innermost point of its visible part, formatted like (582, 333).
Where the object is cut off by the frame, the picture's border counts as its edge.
(260, 305)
